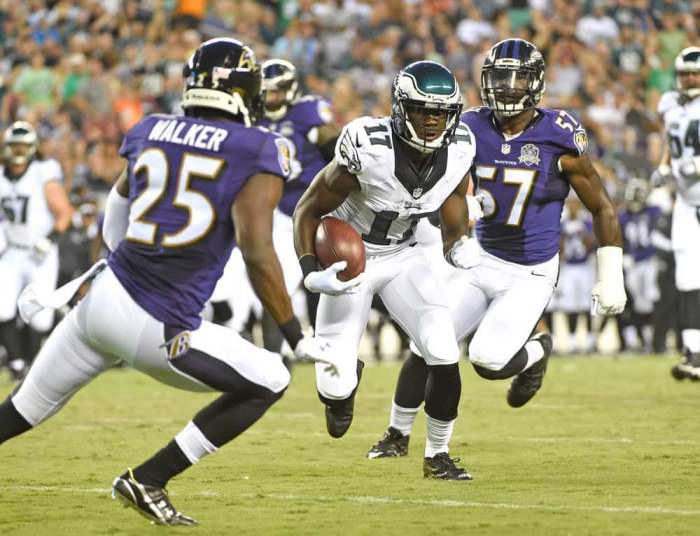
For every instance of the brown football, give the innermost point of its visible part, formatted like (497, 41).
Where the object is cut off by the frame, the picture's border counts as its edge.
(336, 241)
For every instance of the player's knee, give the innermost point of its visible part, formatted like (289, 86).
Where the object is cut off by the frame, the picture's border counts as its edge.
(439, 349)
(33, 405)
(495, 370)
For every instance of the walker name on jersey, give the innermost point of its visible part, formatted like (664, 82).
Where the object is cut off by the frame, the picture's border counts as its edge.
(182, 133)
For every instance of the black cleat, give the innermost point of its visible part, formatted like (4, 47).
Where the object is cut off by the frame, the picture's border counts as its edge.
(149, 501)
(392, 445)
(339, 413)
(688, 368)
(442, 467)
(528, 382)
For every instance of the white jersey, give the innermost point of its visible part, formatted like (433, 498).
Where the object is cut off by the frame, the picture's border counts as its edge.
(682, 125)
(394, 195)
(23, 201)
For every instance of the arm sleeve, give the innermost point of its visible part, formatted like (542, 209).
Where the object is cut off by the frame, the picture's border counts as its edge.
(116, 219)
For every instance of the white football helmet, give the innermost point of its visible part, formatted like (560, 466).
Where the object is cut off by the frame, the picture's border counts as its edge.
(20, 143)
(688, 61)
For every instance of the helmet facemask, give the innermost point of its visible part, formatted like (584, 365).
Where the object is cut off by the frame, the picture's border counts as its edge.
(511, 91)
(687, 72)
(424, 120)
(20, 144)
(280, 87)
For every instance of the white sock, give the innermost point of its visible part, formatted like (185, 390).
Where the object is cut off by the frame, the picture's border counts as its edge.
(535, 352)
(402, 418)
(691, 340)
(439, 434)
(193, 443)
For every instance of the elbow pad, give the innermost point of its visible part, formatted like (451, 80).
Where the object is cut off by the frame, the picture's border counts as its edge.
(116, 219)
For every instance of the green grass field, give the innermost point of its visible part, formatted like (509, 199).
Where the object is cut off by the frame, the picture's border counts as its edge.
(608, 447)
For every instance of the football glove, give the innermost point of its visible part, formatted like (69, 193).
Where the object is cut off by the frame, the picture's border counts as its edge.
(465, 253)
(661, 175)
(608, 297)
(327, 282)
(474, 204)
(41, 249)
(312, 349)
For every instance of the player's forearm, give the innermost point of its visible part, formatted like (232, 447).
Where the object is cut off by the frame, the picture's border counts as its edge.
(265, 274)
(607, 227)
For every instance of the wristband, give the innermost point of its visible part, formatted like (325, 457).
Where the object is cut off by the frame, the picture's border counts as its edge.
(308, 263)
(291, 330)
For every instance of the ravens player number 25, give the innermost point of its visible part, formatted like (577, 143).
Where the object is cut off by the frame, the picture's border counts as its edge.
(192, 183)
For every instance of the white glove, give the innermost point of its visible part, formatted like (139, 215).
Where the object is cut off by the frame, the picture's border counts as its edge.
(312, 349)
(41, 249)
(608, 297)
(327, 282)
(465, 253)
(474, 206)
(661, 175)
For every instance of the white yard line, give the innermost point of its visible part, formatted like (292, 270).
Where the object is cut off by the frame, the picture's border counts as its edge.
(372, 499)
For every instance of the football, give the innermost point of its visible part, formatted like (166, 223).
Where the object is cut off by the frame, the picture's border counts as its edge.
(336, 241)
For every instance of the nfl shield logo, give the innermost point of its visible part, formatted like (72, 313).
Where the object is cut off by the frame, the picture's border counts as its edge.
(417, 192)
(505, 148)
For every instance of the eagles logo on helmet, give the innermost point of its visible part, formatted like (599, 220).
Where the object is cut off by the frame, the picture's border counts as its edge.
(687, 71)
(512, 77)
(20, 143)
(223, 74)
(422, 89)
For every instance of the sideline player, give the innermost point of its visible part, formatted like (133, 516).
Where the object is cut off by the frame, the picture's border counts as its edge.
(37, 210)
(680, 111)
(191, 182)
(526, 160)
(388, 173)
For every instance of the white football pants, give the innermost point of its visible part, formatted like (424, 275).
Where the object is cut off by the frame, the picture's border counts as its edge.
(106, 327)
(413, 297)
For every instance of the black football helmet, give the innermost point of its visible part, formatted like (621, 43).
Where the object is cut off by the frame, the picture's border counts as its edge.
(688, 61)
(280, 75)
(20, 142)
(223, 74)
(512, 77)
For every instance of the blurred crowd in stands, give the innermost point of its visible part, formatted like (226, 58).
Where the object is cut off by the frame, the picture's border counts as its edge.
(85, 71)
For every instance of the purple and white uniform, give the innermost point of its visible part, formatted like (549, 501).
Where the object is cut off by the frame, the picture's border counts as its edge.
(180, 231)
(641, 274)
(143, 309)
(523, 191)
(577, 275)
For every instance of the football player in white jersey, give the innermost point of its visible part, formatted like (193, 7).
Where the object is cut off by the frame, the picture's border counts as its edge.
(527, 160)
(36, 209)
(387, 174)
(680, 111)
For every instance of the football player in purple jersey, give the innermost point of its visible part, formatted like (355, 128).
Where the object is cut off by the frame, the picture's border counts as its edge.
(527, 158)
(194, 186)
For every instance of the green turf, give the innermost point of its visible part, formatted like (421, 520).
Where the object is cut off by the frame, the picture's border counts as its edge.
(608, 447)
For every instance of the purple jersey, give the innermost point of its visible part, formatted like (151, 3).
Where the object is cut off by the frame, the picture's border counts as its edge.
(184, 174)
(523, 188)
(304, 115)
(636, 231)
(576, 240)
